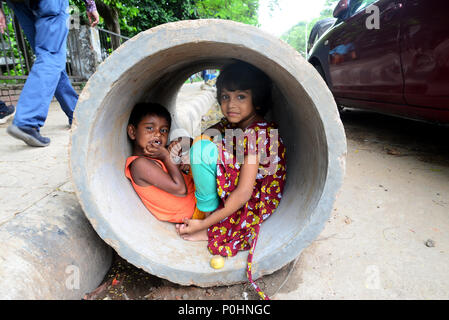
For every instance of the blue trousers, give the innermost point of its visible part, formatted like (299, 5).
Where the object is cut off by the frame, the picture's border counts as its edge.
(45, 27)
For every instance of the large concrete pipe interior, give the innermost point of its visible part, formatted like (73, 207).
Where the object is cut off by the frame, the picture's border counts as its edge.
(152, 66)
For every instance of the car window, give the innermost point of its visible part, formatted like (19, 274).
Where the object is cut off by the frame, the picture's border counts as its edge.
(356, 6)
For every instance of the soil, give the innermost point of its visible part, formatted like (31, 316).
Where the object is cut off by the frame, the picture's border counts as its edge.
(127, 282)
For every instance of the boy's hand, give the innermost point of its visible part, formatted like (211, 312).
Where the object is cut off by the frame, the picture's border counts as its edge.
(156, 151)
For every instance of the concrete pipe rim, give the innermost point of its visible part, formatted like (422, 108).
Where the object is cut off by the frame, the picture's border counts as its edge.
(139, 70)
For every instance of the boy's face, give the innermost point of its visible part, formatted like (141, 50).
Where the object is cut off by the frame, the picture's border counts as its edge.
(151, 129)
(237, 106)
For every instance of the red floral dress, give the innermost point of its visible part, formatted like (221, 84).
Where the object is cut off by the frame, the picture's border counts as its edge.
(239, 231)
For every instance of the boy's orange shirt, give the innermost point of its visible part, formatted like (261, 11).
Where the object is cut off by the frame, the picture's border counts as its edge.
(163, 205)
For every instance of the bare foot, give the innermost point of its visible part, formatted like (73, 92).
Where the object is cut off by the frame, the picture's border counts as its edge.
(197, 236)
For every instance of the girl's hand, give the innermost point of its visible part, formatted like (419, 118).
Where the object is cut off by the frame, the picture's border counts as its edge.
(191, 226)
(175, 151)
(179, 158)
(174, 145)
(156, 151)
(185, 162)
(184, 167)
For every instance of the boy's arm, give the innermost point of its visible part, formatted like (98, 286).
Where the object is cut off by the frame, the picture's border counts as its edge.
(146, 172)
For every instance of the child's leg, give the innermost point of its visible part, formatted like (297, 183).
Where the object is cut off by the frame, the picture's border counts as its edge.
(203, 164)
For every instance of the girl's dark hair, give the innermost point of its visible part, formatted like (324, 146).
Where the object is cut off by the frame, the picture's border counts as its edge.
(143, 109)
(244, 76)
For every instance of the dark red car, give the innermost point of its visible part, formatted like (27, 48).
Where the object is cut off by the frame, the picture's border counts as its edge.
(389, 56)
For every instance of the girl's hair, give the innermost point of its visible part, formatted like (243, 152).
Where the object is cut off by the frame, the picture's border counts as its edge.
(143, 109)
(244, 76)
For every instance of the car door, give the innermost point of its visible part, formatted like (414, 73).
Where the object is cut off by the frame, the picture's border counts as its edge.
(425, 53)
(365, 63)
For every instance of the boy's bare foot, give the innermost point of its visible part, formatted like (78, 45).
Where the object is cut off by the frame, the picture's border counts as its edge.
(177, 227)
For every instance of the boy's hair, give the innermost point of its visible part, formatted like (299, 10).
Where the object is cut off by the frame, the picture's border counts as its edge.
(244, 76)
(143, 109)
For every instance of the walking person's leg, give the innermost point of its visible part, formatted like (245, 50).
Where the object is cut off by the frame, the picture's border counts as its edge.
(50, 49)
(5, 112)
(66, 96)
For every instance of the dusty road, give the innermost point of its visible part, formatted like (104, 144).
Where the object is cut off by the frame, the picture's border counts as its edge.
(385, 239)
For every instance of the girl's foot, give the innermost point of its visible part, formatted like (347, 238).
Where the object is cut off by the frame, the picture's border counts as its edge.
(197, 236)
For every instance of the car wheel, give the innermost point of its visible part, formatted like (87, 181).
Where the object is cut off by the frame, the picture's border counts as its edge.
(321, 72)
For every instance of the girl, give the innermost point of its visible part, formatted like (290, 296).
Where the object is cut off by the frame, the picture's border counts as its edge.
(242, 188)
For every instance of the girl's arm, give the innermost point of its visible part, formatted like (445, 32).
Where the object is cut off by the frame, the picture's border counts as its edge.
(237, 199)
(146, 172)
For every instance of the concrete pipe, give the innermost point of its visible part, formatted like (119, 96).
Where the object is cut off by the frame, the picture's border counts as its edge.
(152, 66)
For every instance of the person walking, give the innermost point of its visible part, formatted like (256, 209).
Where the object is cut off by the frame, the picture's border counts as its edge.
(5, 112)
(45, 24)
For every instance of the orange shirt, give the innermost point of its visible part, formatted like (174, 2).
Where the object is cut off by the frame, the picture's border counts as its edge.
(163, 205)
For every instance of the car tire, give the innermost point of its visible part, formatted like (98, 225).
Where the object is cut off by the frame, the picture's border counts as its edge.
(321, 72)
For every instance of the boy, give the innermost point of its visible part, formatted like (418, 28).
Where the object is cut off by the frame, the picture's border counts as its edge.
(166, 192)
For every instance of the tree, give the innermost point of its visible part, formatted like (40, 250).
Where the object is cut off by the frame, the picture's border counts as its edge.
(328, 10)
(238, 10)
(297, 35)
(156, 12)
(129, 17)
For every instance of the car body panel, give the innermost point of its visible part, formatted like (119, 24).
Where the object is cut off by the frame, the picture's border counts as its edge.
(359, 66)
(318, 30)
(425, 53)
(401, 68)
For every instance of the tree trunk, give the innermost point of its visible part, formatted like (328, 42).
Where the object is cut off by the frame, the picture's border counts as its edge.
(110, 16)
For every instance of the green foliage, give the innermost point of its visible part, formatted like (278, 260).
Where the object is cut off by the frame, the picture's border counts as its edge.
(297, 35)
(329, 7)
(155, 12)
(139, 15)
(10, 51)
(238, 10)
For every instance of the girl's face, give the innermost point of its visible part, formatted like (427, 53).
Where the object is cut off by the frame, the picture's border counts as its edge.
(237, 107)
(151, 129)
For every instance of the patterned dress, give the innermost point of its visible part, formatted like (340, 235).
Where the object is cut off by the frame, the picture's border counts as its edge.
(240, 230)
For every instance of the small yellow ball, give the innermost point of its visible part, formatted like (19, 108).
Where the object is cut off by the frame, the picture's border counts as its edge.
(217, 262)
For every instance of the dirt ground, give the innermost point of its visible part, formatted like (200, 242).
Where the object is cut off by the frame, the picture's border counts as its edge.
(367, 131)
